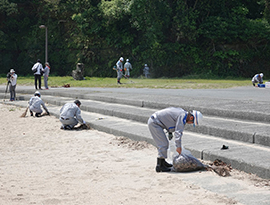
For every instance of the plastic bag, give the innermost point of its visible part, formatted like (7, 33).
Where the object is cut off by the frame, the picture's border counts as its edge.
(186, 162)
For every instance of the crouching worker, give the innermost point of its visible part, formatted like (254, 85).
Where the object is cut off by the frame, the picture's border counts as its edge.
(35, 105)
(258, 78)
(70, 115)
(174, 120)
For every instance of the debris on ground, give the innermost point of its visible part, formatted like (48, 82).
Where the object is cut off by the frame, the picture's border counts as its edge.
(221, 168)
(82, 127)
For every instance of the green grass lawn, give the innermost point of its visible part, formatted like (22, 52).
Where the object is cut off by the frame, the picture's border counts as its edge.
(55, 81)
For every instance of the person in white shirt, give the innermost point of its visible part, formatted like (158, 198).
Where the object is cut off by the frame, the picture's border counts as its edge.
(12, 78)
(70, 115)
(35, 104)
(38, 70)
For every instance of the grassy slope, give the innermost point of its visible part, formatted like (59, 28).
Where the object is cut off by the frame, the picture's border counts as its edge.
(55, 81)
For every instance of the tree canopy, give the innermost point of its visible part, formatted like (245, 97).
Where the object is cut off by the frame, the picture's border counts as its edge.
(175, 38)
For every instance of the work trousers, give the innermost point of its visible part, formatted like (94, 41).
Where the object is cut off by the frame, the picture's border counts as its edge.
(45, 77)
(69, 121)
(157, 131)
(12, 91)
(38, 78)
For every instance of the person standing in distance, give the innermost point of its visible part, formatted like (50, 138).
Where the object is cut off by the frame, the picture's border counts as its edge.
(146, 71)
(127, 67)
(37, 70)
(46, 74)
(13, 82)
(70, 115)
(119, 69)
(174, 120)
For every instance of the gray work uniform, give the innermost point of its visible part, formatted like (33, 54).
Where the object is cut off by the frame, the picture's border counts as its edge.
(257, 79)
(128, 67)
(70, 114)
(146, 71)
(119, 69)
(35, 105)
(171, 119)
(46, 76)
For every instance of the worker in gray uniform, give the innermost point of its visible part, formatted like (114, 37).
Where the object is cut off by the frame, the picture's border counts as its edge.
(70, 115)
(127, 67)
(35, 104)
(174, 120)
(119, 69)
(258, 78)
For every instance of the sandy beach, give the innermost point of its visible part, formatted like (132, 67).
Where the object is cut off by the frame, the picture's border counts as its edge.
(42, 164)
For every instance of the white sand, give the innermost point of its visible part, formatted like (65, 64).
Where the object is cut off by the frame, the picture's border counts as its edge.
(41, 164)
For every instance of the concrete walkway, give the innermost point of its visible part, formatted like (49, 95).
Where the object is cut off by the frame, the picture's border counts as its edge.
(236, 117)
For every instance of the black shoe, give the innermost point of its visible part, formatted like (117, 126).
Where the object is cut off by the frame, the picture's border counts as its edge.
(67, 127)
(161, 166)
(167, 164)
(38, 115)
(31, 113)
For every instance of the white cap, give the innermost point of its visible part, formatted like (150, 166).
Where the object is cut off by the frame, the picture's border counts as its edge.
(37, 93)
(127, 60)
(12, 70)
(145, 64)
(121, 59)
(197, 117)
(261, 74)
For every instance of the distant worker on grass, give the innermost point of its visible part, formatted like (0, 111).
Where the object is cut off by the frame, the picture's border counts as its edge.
(119, 69)
(258, 78)
(146, 71)
(127, 67)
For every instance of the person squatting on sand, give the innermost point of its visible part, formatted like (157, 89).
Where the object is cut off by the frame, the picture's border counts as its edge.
(35, 105)
(70, 115)
(171, 119)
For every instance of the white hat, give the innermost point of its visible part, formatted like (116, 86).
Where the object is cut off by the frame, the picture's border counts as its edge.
(145, 64)
(261, 74)
(127, 60)
(37, 93)
(12, 70)
(121, 59)
(197, 117)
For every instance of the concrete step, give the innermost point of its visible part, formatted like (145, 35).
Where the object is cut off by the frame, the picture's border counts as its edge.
(233, 104)
(233, 129)
(251, 158)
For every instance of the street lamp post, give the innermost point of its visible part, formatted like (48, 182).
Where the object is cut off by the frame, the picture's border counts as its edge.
(46, 41)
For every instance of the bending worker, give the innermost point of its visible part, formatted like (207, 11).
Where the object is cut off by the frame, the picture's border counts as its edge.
(258, 78)
(171, 119)
(35, 105)
(70, 115)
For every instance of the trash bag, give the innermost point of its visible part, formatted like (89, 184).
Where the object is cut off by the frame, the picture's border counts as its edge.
(186, 162)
